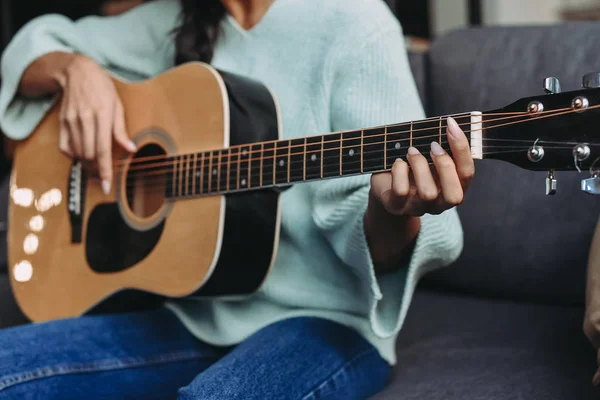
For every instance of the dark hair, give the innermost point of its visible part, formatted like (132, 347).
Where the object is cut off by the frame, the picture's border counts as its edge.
(199, 30)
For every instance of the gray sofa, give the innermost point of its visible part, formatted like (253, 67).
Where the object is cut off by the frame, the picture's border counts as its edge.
(504, 322)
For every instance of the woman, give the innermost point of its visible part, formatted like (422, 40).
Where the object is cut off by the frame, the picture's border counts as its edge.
(351, 250)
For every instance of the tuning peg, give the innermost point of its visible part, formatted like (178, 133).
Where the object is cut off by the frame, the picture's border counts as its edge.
(591, 80)
(551, 85)
(591, 185)
(550, 183)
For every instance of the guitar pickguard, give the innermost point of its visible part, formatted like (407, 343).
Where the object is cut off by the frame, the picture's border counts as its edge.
(111, 245)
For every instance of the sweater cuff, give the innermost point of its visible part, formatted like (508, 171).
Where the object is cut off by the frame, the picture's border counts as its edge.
(439, 243)
(19, 116)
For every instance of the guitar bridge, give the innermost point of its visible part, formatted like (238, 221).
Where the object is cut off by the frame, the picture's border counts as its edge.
(77, 180)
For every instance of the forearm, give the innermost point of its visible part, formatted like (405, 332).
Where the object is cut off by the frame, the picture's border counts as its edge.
(45, 75)
(390, 237)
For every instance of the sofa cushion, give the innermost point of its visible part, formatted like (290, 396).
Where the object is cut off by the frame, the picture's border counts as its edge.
(519, 243)
(455, 347)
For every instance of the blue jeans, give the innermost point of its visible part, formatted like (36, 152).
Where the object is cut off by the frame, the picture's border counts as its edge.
(150, 355)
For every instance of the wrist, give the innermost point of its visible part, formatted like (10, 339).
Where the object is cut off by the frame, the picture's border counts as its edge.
(390, 237)
(61, 66)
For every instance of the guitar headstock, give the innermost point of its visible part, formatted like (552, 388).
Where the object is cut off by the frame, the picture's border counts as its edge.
(551, 132)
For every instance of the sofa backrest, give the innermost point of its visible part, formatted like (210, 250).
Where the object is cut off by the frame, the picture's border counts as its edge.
(519, 243)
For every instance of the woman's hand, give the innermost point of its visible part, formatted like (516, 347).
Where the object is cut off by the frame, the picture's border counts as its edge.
(91, 116)
(420, 189)
(398, 198)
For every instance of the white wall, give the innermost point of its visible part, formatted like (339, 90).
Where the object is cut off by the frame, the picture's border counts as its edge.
(452, 14)
(447, 15)
(521, 12)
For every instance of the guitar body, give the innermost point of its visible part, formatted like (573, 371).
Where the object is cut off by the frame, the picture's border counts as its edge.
(71, 247)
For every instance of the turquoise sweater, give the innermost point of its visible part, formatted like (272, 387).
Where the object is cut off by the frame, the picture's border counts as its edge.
(333, 65)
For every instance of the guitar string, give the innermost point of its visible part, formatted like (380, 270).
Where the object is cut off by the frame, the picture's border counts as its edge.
(181, 174)
(185, 165)
(433, 119)
(172, 161)
(188, 184)
(147, 169)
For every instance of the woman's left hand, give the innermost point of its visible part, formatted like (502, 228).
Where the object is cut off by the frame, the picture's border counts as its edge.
(422, 189)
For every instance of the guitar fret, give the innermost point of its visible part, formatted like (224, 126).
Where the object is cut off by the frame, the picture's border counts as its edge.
(194, 169)
(268, 167)
(262, 156)
(255, 170)
(440, 140)
(288, 163)
(237, 180)
(174, 179)
(190, 175)
(205, 173)
(184, 175)
(384, 147)
(244, 167)
(351, 153)
(168, 177)
(181, 162)
(373, 151)
(250, 157)
(411, 133)
(297, 160)
(214, 173)
(234, 170)
(322, 151)
(313, 158)
(341, 146)
(361, 151)
(282, 155)
(331, 155)
(424, 133)
(224, 170)
(304, 162)
(228, 168)
(396, 144)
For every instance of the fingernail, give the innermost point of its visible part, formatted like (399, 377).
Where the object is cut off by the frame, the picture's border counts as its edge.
(106, 187)
(437, 149)
(453, 128)
(131, 146)
(412, 151)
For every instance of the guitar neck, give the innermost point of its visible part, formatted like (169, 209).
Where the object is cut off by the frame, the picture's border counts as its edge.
(285, 162)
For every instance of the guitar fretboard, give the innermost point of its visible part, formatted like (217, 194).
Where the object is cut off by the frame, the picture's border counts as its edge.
(285, 162)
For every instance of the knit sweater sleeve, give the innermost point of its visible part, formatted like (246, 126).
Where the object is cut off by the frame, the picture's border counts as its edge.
(373, 85)
(133, 45)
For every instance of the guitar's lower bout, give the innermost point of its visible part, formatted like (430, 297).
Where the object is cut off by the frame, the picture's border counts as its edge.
(138, 239)
(111, 245)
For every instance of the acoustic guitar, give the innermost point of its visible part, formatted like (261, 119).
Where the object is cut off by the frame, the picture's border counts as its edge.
(195, 212)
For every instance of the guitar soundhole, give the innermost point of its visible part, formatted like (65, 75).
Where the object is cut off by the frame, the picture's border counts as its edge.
(145, 181)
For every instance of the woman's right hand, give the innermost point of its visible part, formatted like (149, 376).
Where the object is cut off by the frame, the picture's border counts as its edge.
(91, 116)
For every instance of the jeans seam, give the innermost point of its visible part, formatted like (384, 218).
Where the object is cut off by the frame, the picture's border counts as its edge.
(335, 374)
(111, 364)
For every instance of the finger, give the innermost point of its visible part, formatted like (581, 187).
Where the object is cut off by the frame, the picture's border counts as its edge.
(397, 188)
(380, 184)
(461, 152)
(87, 123)
(596, 379)
(104, 148)
(119, 131)
(64, 143)
(427, 189)
(72, 120)
(400, 181)
(452, 191)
